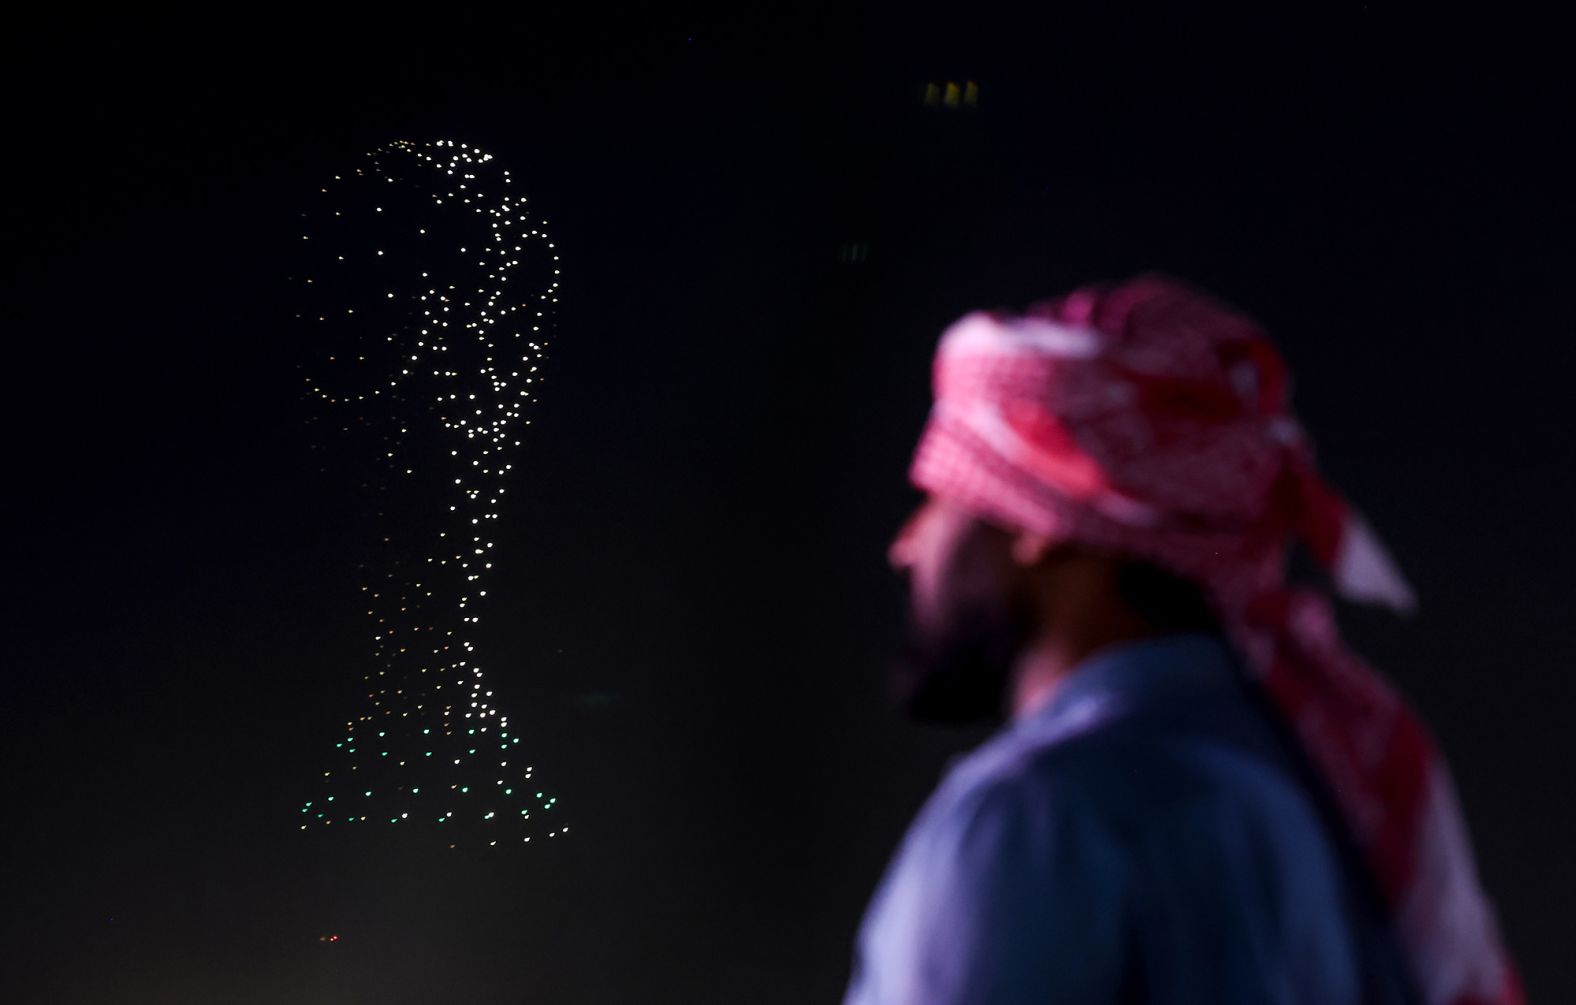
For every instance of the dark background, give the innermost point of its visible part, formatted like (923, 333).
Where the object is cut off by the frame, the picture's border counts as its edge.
(692, 613)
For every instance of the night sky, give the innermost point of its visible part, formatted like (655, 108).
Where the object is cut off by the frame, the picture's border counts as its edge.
(763, 229)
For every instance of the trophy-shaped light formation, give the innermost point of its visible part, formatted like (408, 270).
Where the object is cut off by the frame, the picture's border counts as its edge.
(426, 292)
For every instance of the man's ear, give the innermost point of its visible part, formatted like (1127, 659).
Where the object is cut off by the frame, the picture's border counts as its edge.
(1029, 548)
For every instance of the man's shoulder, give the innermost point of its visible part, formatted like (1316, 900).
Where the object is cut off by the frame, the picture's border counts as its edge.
(1114, 770)
(1018, 777)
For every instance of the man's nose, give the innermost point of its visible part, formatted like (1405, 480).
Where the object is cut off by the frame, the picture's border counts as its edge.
(904, 547)
(900, 552)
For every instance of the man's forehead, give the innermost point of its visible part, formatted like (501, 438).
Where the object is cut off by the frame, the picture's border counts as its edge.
(944, 508)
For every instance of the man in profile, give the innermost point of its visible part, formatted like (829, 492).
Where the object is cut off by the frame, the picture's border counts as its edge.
(1201, 794)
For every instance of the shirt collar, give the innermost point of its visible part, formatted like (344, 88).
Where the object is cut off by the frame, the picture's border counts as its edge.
(1134, 674)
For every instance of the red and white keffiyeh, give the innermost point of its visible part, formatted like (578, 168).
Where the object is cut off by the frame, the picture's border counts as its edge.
(1151, 421)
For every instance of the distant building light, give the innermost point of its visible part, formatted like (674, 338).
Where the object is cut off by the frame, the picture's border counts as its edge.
(952, 94)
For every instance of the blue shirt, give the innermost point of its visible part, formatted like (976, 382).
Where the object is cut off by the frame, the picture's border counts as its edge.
(1143, 837)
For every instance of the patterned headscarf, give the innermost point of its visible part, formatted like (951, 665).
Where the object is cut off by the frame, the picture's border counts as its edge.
(1153, 422)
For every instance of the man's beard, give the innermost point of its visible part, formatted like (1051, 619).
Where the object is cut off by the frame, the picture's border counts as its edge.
(959, 675)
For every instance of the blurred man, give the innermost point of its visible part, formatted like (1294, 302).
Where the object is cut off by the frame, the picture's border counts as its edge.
(1202, 795)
